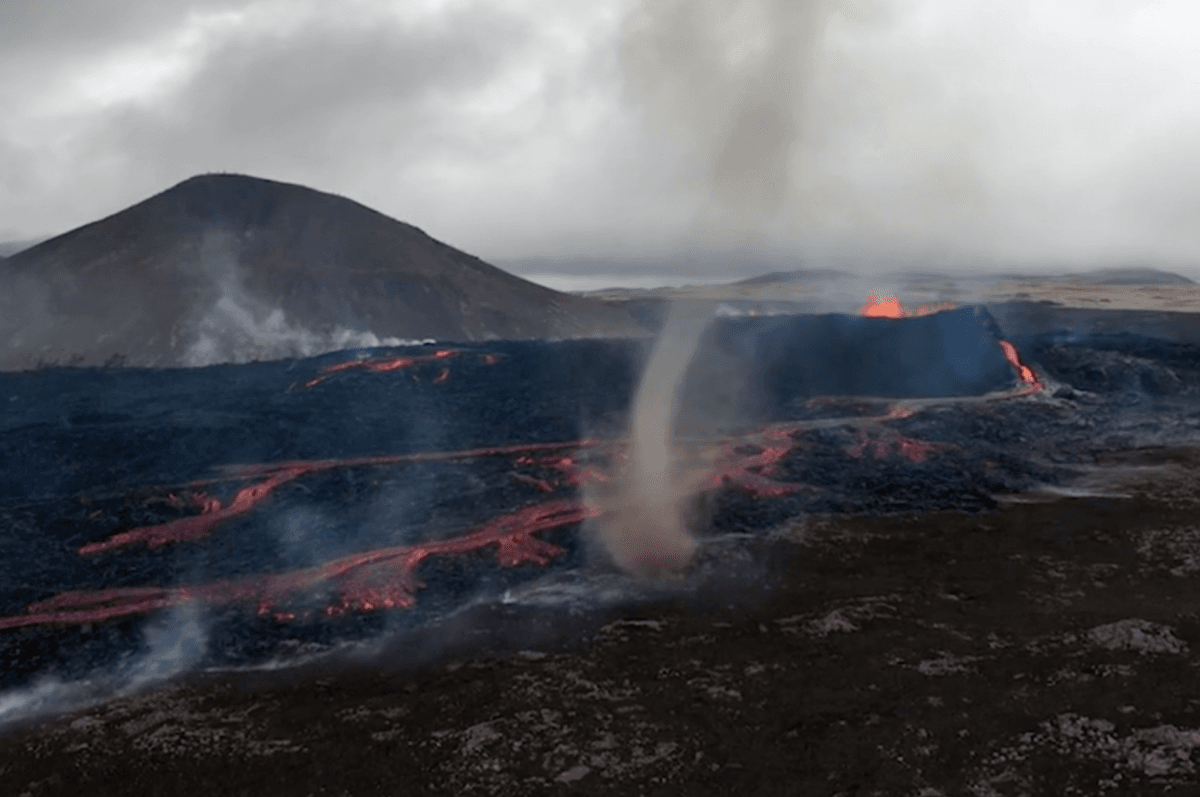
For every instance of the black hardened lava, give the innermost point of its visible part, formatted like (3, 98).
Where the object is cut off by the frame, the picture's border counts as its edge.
(291, 506)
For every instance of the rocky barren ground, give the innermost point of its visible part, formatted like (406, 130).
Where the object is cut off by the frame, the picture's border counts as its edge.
(1048, 647)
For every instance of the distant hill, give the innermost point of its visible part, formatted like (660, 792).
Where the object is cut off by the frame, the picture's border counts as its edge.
(226, 267)
(793, 277)
(1128, 276)
(1097, 277)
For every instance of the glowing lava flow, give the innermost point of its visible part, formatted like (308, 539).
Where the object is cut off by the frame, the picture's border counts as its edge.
(383, 365)
(569, 472)
(915, 451)
(880, 306)
(1032, 383)
(387, 578)
(196, 526)
(751, 463)
(379, 579)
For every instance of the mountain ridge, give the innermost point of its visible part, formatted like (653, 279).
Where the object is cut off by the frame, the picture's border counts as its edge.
(230, 268)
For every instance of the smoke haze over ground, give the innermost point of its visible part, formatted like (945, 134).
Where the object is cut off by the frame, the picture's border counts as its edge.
(239, 327)
(1054, 133)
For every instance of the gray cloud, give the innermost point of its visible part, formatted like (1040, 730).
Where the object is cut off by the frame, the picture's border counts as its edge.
(801, 132)
(334, 95)
(44, 40)
(734, 78)
(1159, 195)
(585, 127)
(58, 29)
(321, 98)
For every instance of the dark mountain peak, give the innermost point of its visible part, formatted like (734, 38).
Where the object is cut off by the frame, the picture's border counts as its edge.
(239, 199)
(242, 201)
(227, 267)
(229, 204)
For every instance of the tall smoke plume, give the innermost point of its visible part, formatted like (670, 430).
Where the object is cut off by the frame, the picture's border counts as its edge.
(730, 78)
(733, 76)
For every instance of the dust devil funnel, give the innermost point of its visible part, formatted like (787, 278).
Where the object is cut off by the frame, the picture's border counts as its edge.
(642, 520)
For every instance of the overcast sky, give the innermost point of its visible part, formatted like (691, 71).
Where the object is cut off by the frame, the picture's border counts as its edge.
(1039, 130)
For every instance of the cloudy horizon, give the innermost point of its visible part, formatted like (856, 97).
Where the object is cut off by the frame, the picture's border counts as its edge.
(1050, 133)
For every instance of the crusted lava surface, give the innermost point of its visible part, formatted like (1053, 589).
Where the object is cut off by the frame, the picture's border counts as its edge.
(958, 593)
(1047, 647)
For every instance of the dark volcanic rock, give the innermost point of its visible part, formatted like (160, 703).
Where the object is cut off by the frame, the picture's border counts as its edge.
(1048, 648)
(991, 595)
(233, 268)
(1026, 323)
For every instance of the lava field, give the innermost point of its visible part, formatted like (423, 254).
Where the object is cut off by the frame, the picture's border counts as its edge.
(163, 523)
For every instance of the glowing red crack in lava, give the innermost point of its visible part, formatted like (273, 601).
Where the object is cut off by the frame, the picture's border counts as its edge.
(915, 451)
(197, 526)
(379, 579)
(386, 578)
(570, 472)
(880, 306)
(750, 463)
(1032, 383)
(383, 365)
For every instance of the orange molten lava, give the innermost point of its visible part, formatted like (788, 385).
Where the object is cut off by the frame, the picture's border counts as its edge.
(880, 306)
(369, 581)
(385, 578)
(1033, 384)
(384, 364)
